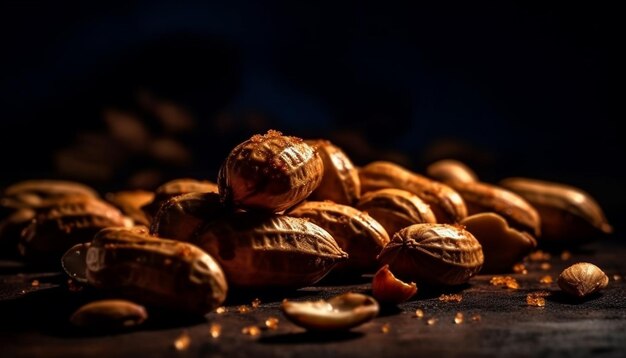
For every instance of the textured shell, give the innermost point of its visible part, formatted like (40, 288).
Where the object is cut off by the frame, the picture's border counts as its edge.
(567, 213)
(130, 203)
(502, 245)
(178, 187)
(396, 209)
(357, 233)
(58, 227)
(582, 279)
(438, 254)
(340, 182)
(182, 216)
(271, 172)
(159, 272)
(446, 204)
(451, 170)
(387, 288)
(338, 313)
(109, 314)
(258, 250)
(483, 197)
(33, 193)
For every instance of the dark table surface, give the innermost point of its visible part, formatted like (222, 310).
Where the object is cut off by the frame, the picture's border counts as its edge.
(34, 320)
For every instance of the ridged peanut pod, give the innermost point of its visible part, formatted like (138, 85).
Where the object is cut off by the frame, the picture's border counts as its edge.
(446, 204)
(502, 245)
(357, 233)
(436, 254)
(396, 209)
(177, 187)
(340, 182)
(152, 271)
(451, 170)
(58, 227)
(482, 197)
(259, 250)
(130, 203)
(271, 172)
(568, 214)
(32, 193)
(182, 216)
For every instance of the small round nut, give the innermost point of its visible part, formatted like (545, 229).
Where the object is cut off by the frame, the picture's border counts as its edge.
(271, 172)
(340, 182)
(582, 279)
(109, 315)
(387, 288)
(436, 254)
(447, 170)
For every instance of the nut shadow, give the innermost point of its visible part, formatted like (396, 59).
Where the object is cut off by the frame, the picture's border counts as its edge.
(311, 337)
(563, 298)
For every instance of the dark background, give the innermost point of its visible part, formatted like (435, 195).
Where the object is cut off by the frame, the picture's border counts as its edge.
(510, 88)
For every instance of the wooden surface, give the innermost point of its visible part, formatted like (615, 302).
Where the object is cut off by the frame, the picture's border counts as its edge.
(34, 321)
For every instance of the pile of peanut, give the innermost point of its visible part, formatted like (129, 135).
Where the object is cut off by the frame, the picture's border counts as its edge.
(286, 212)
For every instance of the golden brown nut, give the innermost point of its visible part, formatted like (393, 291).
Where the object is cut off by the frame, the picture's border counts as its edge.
(338, 313)
(387, 288)
(109, 315)
(178, 187)
(357, 233)
(482, 197)
(446, 204)
(130, 203)
(396, 209)
(270, 172)
(182, 216)
(568, 214)
(33, 193)
(451, 170)
(159, 272)
(70, 221)
(264, 250)
(437, 254)
(582, 279)
(502, 245)
(340, 182)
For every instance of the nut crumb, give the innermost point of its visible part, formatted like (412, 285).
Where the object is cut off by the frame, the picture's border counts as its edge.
(476, 318)
(271, 323)
(385, 328)
(221, 310)
(431, 321)
(251, 331)
(35, 283)
(546, 279)
(545, 266)
(256, 303)
(537, 299)
(419, 313)
(458, 318)
(617, 277)
(506, 281)
(539, 256)
(451, 298)
(182, 342)
(566, 255)
(243, 309)
(520, 268)
(216, 330)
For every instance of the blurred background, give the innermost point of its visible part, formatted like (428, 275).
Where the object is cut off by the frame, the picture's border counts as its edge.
(131, 94)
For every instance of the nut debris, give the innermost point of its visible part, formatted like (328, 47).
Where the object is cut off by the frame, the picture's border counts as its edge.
(546, 279)
(271, 323)
(385, 328)
(431, 321)
(451, 298)
(256, 303)
(458, 318)
(182, 342)
(251, 331)
(506, 281)
(215, 330)
(419, 313)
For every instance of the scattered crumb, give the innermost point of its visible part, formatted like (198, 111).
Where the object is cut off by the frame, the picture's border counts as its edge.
(243, 309)
(182, 342)
(458, 318)
(520, 268)
(566, 255)
(256, 303)
(539, 256)
(545, 266)
(451, 298)
(221, 310)
(385, 328)
(476, 318)
(537, 299)
(419, 313)
(35, 283)
(546, 279)
(617, 277)
(216, 330)
(431, 321)
(271, 323)
(506, 281)
(251, 330)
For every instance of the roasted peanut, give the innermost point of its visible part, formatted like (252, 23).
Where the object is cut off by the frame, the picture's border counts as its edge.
(396, 209)
(33, 193)
(483, 197)
(446, 204)
(130, 203)
(582, 279)
(264, 250)
(502, 245)
(182, 216)
(164, 273)
(357, 233)
(340, 182)
(271, 172)
(109, 315)
(338, 313)
(451, 170)
(69, 221)
(437, 254)
(568, 214)
(177, 187)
